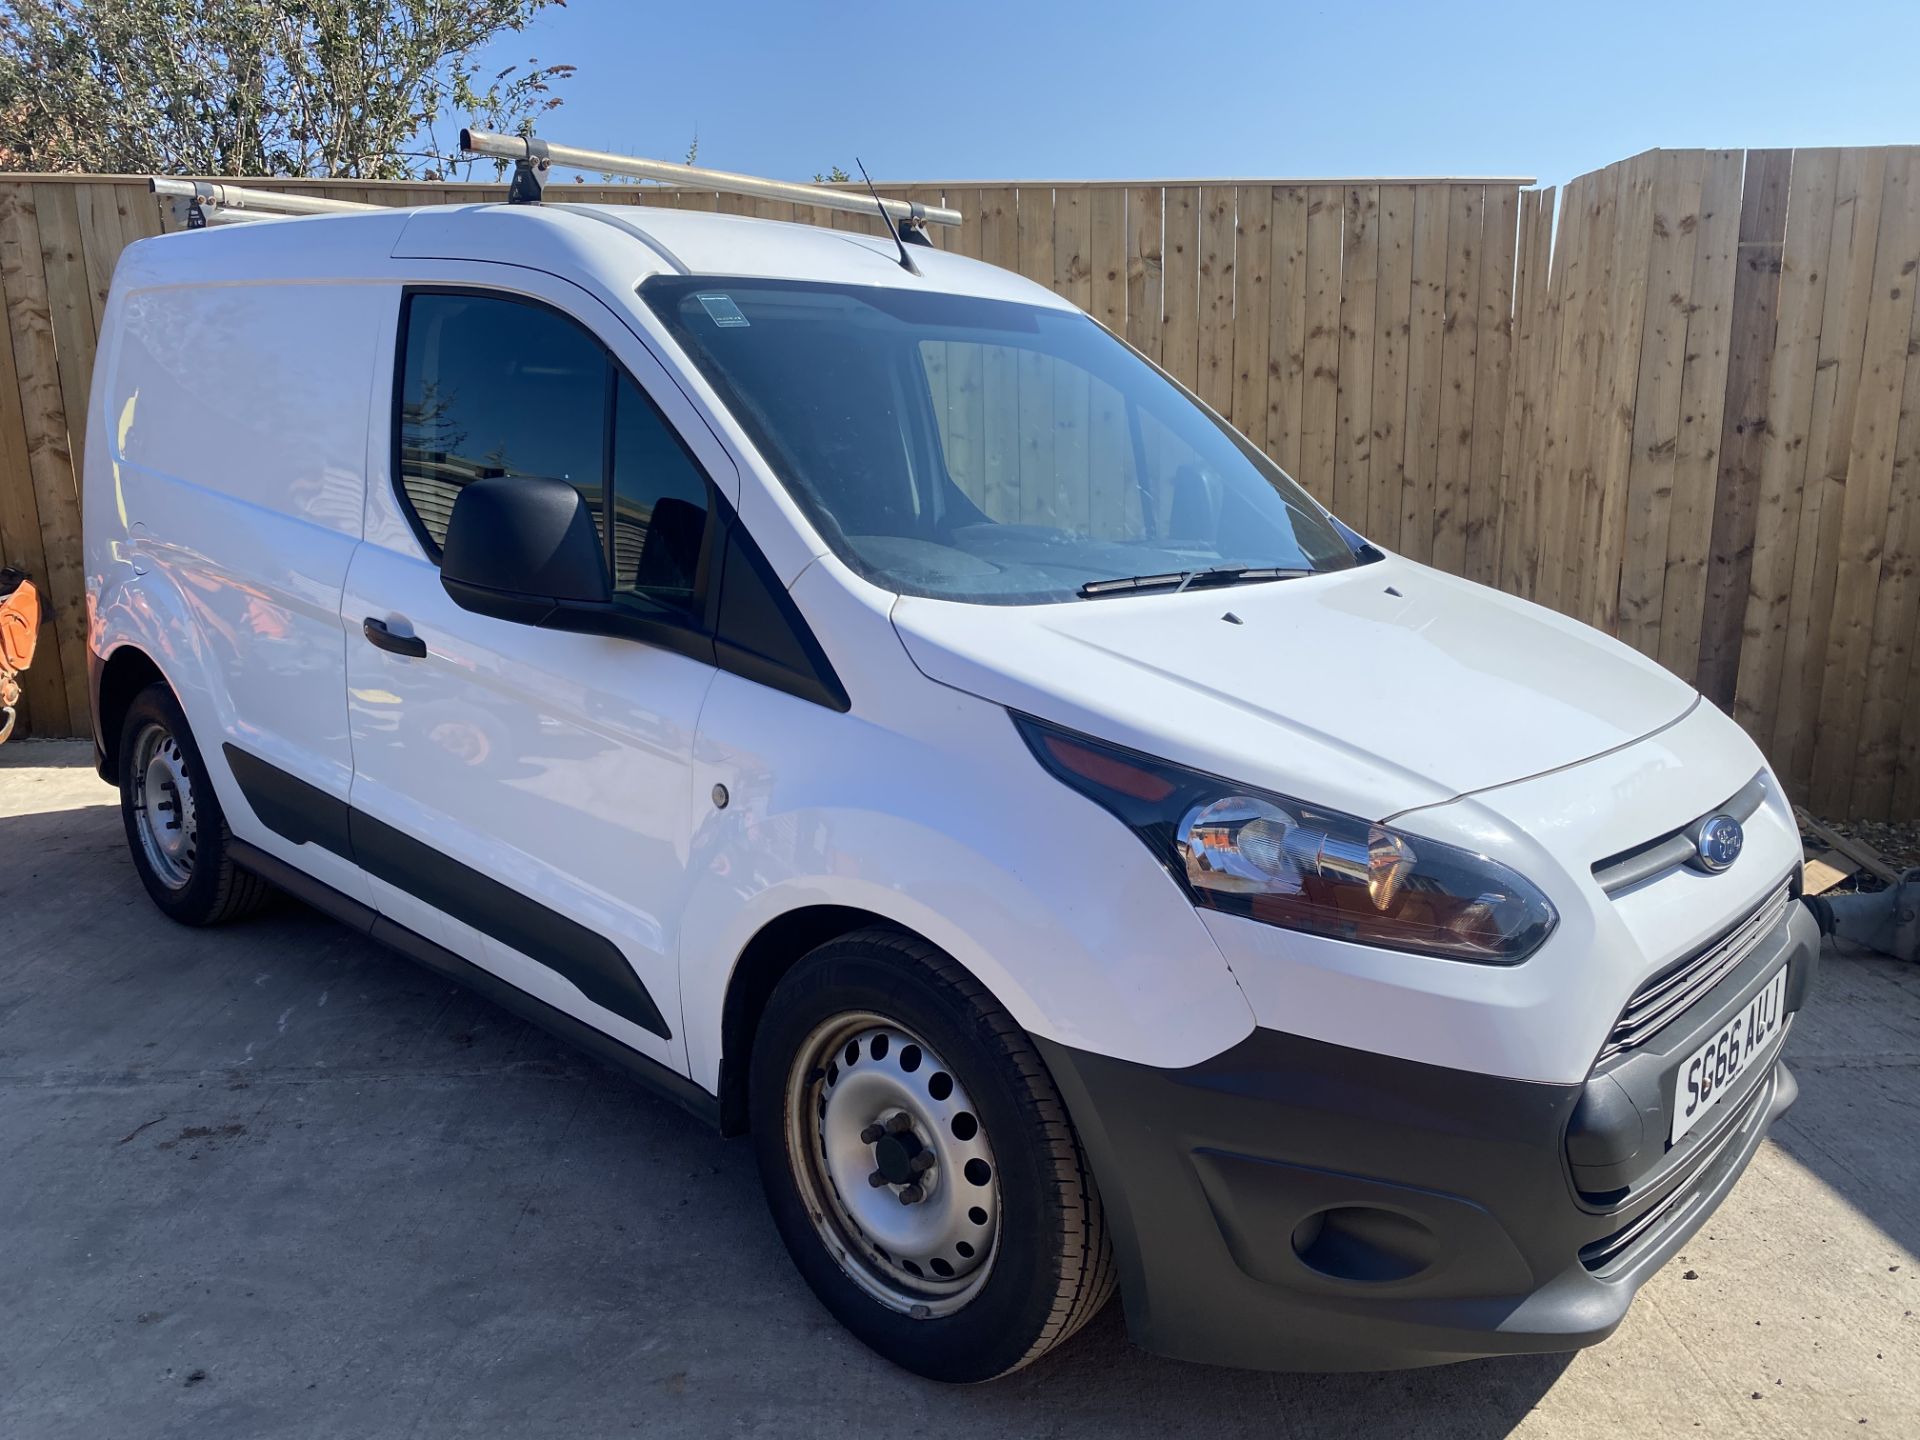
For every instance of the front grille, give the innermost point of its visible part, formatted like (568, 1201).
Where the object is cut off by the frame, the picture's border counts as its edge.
(1626, 1242)
(1675, 847)
(1671, 991)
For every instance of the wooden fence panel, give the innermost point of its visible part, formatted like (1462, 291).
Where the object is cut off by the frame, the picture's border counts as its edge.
(1686, 408)
(1849, 262)
(1868, 487)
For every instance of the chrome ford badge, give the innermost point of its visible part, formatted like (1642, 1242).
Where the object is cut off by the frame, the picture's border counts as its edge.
(1717, 841)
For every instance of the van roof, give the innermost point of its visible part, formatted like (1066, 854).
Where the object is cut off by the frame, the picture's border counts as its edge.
(616, 245)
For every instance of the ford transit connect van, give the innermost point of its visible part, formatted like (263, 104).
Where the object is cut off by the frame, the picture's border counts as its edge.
(884, 713)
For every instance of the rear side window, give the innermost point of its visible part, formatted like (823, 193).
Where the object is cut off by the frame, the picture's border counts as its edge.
(491, 386)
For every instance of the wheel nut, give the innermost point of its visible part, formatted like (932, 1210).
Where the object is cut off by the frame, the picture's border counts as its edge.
(871, 1134)
(876, 1180)
(912, 1195)
(922, 1162)
(900, 1124)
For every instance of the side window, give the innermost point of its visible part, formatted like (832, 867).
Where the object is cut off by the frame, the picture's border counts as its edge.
(659, 506)
(493, 387)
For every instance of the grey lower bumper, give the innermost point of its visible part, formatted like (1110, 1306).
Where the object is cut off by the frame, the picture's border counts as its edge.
(1296, 1205)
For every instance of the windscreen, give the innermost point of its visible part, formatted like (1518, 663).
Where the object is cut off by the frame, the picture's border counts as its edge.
(986, 451)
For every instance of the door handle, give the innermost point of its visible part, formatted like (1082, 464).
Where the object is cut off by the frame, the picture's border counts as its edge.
(378, 634)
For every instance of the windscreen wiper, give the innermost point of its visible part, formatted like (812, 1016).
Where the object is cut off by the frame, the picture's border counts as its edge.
(1179, 580)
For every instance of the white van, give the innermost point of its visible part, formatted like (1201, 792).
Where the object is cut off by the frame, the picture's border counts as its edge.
(885, 713)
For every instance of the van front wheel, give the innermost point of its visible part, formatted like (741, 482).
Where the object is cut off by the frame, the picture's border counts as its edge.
(174, 824)
(920, 1163)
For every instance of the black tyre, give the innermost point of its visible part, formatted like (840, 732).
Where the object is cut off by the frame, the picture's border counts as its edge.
(920, 1164)
(175, 828)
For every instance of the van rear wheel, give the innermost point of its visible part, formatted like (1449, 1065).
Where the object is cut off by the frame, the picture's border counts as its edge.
(920, 1164)
(175, 827)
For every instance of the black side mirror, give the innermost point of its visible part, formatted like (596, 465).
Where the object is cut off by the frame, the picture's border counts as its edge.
(525, 550)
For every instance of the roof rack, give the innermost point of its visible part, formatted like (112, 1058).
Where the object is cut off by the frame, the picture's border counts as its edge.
(211, 202)
(533, 156)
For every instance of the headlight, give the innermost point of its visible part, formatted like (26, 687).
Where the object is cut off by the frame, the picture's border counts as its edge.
(1286, 863)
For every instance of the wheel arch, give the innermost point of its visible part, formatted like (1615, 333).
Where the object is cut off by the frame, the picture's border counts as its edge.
(123, 675)
(775, 948)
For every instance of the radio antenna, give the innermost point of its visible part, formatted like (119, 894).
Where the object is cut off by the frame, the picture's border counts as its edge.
(906, 260)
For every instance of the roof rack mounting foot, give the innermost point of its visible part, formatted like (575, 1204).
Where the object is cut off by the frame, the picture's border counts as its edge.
(529, 174)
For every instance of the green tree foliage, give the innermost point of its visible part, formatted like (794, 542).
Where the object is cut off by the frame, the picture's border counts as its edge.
(352, 89)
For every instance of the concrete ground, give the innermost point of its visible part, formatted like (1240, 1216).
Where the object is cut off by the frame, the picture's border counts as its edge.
(270, 1180)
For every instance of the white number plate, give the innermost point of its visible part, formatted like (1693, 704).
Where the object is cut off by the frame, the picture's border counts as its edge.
(1724, 1058)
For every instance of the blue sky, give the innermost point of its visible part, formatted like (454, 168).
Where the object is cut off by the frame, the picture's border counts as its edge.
(991, 89)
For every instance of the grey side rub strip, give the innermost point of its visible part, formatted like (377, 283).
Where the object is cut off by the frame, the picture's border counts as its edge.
(307, 815)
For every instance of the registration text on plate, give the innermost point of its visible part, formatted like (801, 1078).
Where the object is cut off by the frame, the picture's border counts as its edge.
(1724, 1058)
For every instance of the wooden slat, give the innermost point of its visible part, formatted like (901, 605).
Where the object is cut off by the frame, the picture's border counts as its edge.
(1425, 348)
(1864, 507)
(1843, 331)
(1107, 212)
(1703, 392)
(1216, 298)
(1589, 412)
(1072, 277)
(1459, 376)
(1493, 342)
(1359, 259)
(1320, 356)
(1526, 410)
(1035, 235)
(1619, 311)
(1743, 388)
(102, 237)
(1000, 227)
(139, 211)
(962, 239)
(1144, 291)
(1678, 178)
(49, 461)
(1252, 310)
(1783, 439)
(1552, 465)
(1287, 335)
(70, 306)
(1180, 272)
(1393, 307)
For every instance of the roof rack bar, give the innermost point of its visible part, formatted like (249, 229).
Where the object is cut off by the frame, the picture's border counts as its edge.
(215, 195)
(532, 152)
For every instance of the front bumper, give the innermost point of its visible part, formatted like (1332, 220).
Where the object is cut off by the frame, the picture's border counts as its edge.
(1295, 1205)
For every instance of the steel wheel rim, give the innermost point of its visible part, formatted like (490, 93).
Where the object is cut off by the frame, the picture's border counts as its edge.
(163, 806)
(859, 1073)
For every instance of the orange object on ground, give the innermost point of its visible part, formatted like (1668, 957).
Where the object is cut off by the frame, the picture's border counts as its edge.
(19, 631)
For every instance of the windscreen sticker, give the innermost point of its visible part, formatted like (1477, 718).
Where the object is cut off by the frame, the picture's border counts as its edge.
(722, 311)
